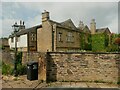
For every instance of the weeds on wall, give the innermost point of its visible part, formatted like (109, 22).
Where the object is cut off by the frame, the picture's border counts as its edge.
(9, 70)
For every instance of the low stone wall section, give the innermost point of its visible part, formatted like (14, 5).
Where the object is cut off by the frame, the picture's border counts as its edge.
(76, 66)
(40, 58)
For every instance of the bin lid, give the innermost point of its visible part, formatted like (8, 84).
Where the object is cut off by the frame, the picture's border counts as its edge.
(32, 62)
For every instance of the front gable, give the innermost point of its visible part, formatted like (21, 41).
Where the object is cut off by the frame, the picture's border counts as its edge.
(68, 23)
(107, 31)
(86, 29)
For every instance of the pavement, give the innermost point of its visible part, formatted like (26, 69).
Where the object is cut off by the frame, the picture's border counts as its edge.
(22, 82)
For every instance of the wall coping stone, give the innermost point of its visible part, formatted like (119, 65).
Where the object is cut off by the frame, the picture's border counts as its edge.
(83, 52)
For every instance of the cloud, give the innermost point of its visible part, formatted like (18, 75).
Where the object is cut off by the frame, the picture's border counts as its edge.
(33, 21)
(7, 26)
(105, 13)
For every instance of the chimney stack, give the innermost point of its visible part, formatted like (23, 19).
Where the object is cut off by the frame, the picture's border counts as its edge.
(81, 25)
(93, 26)
(23, 22)
(45, 16)
(20, 22)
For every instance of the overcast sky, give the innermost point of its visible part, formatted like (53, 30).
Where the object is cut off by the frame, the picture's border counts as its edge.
(105, 13)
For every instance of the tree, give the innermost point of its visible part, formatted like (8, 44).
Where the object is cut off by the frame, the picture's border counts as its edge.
(117, 41)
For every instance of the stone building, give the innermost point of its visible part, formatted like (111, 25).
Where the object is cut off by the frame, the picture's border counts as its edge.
(93, 29)
(54, 36)
(26, 39)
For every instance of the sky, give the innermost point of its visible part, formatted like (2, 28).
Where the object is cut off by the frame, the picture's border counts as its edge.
(104, 13)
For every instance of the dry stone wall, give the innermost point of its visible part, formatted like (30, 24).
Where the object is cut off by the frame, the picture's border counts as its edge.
(73, 66)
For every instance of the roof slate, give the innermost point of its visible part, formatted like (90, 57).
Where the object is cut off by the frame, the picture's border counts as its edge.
(103, 30)
(66, 24)
(25, 31)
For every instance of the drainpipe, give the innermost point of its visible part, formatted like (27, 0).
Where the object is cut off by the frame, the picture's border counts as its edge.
(52, 39)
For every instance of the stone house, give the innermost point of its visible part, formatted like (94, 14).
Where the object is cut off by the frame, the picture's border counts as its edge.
(88, 33)
(93, 29)
(53, 36)
(26, 39)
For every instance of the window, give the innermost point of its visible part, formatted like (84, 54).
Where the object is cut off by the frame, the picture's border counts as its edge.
(12, 39)
(59, 37)
(33, 37)
(70, 37)
(18, 39)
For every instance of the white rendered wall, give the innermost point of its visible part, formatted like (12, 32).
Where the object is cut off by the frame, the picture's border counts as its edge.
(22, 41)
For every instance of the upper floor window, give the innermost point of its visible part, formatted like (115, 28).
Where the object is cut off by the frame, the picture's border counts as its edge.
(70, 37)
(12, 39)
(18, 39)
(33, 37)
(59, 36)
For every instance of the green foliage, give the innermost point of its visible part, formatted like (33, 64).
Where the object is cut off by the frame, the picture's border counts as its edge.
(85, 40)
(6, 69)
(21, 69)
(113, 47)
(99, 42)
(19, 57)
(82, 39)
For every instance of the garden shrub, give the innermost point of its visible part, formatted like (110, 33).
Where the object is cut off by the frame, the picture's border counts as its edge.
(6, 69)
(21, 69)
(99, 42)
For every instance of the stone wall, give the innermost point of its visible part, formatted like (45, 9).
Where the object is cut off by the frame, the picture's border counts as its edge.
(40, 58)
(72, 66)
(7, 57)
(75, 66)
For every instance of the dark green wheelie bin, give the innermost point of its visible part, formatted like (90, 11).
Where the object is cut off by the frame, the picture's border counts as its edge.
(32, 70)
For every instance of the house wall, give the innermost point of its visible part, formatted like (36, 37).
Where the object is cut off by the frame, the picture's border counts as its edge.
(22, 42)
(11, 44)
(64, 45)
(44, 37)
(32, 40)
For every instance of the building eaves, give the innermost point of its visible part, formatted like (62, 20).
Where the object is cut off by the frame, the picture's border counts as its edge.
(25, 31)
(101, 30)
